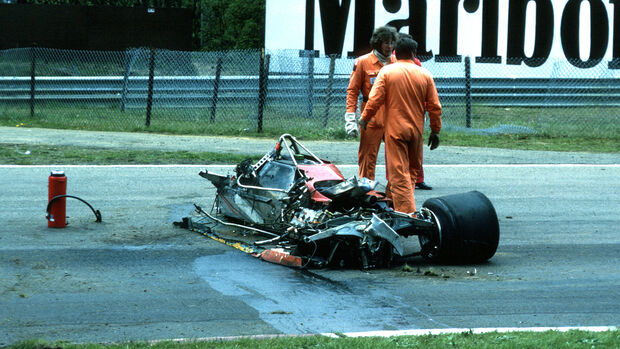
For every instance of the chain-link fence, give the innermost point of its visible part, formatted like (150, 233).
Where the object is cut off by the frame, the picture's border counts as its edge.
(237, 92)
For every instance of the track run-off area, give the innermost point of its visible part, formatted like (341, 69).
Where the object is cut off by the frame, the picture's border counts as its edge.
(135, 276)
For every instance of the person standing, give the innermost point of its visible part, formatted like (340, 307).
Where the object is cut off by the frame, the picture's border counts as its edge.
(365, 71)
(406, 91)
(419, 183)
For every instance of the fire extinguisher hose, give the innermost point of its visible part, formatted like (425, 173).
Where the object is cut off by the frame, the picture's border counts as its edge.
(96, 212)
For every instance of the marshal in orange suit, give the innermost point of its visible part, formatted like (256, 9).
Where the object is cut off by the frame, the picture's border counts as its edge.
(365, 71)
(406, 91)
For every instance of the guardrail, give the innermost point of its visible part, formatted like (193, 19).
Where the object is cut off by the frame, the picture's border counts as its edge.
(180, 91)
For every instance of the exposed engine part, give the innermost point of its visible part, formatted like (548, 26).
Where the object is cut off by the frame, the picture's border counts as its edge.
(314, 217)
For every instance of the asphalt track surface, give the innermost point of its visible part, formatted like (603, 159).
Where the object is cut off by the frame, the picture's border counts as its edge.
(137, 277)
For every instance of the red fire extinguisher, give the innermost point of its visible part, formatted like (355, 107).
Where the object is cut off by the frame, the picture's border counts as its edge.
(57, 186)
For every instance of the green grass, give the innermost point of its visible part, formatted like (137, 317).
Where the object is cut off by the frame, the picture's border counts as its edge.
(19, 154)
(533, 142)
(49, 154)
(466, 340)
(552, 121)
(236, 118)
(557, 129)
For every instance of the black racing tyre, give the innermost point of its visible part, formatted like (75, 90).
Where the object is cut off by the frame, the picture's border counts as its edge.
(469, 229)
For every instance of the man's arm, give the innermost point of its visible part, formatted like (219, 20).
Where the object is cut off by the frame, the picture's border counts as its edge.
(355, 85)
(433, 106)
(434, 112)
(353, 90)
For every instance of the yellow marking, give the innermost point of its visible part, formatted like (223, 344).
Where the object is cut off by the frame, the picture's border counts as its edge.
(236, 245)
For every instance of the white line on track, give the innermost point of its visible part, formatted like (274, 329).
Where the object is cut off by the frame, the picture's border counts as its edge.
(414, 332)
(420, 332)
(340, 166)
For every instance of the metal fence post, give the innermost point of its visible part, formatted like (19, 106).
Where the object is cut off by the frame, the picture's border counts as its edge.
(310, 54)
(262, 86)
(467, 92)
(310, 84)
(330, 90)
(128, 60)
(216, 87)
(149, 97)
(33, 51)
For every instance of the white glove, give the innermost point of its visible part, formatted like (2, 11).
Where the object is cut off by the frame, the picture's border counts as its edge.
(350, 125)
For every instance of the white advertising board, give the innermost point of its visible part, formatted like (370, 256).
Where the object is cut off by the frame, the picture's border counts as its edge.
(507, 32)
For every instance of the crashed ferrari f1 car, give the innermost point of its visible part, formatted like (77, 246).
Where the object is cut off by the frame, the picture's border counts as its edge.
(294, 208)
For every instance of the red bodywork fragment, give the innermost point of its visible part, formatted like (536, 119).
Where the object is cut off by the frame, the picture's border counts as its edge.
(281, 257)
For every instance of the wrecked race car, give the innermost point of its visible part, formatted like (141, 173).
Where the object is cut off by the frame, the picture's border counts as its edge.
(296, 209)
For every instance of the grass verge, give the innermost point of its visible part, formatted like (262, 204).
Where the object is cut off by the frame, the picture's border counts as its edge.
(28, 154)
(20, 154)
(533, 142)
(466, 340)
(240, 119)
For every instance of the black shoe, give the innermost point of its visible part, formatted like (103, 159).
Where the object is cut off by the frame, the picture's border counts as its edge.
(423, 186)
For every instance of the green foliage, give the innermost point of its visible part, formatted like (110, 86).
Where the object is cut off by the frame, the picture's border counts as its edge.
(115, 3)
(220, 25)
(231, 24)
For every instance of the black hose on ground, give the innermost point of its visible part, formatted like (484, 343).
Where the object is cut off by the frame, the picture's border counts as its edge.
(49, 204)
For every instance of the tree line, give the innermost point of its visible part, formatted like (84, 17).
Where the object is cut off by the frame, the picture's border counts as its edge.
(218, 24)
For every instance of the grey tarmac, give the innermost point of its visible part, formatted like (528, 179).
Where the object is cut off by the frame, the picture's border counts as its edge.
(137, 277)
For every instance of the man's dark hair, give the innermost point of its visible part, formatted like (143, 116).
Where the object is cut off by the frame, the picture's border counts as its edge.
(381, 35)
(405, 47)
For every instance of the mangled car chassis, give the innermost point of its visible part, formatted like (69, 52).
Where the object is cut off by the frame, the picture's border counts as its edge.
(294, 208)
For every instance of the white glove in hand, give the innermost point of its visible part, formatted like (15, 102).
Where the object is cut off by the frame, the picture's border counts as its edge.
(350, 125)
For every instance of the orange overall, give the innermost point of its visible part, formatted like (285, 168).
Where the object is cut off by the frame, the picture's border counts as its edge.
(420, 177)
(365, 71)
(407, 91)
